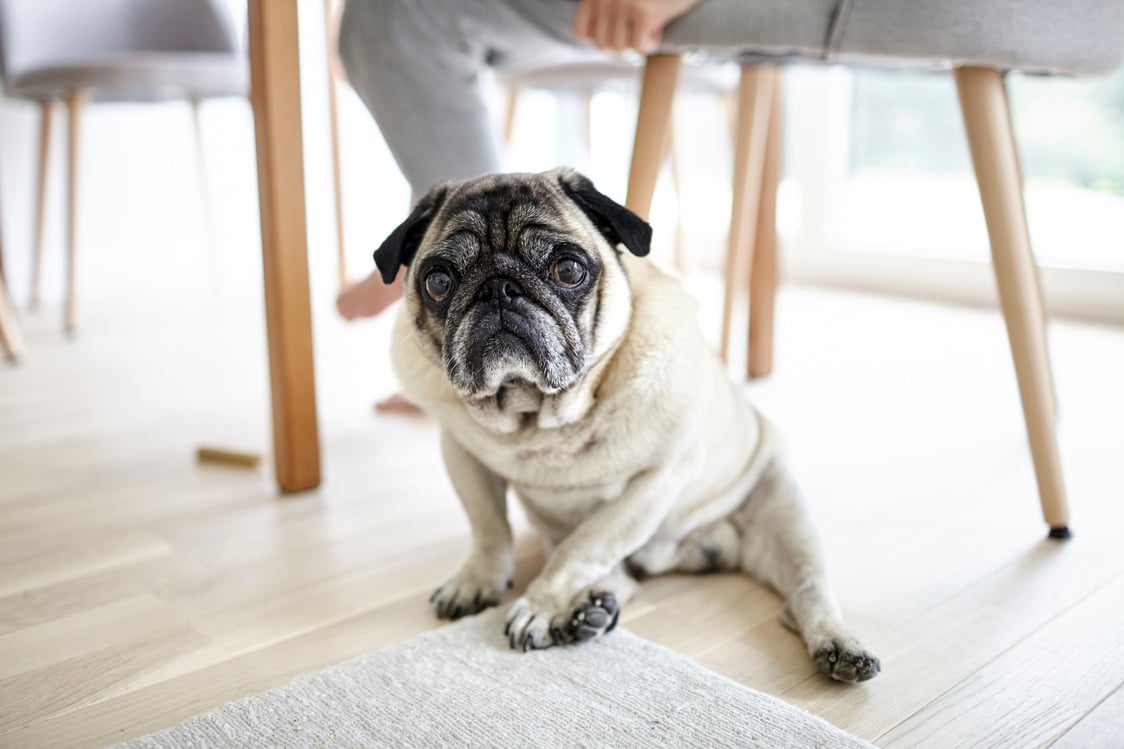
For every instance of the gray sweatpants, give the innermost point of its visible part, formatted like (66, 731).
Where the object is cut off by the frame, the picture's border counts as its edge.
(416, 65)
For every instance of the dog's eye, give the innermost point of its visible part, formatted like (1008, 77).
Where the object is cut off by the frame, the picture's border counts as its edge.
(438, 284)
(568, 273)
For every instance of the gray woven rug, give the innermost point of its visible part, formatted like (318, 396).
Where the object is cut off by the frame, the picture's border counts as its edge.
(461, 686)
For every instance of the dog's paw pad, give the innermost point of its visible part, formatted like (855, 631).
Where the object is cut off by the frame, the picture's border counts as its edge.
(847, 662)
(594, 616)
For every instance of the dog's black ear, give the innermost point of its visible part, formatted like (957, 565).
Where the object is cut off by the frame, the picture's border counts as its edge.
(618, 224)
(400, 247)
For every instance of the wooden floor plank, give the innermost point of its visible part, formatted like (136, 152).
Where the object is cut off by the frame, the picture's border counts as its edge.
(36, 569)
(70, 685)
(929, 655)
(1101, 728)
(38, 647)
(1035, 691)
(139, 712)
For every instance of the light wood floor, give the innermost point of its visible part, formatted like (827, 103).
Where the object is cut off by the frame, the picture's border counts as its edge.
(137, 588)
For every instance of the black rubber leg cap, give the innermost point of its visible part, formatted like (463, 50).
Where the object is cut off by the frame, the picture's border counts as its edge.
(1061, 533)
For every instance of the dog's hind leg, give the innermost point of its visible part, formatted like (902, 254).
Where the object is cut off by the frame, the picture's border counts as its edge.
(712, 548)
(780, 548)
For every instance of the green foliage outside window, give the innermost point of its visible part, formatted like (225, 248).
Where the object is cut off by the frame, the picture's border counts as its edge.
(1068, 130)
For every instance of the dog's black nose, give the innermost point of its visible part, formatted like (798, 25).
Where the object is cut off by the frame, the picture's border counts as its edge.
(499, 290)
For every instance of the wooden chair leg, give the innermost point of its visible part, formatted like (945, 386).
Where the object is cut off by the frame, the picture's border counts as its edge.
(680, 257)
(10, 340)
(509, 114)
(587, 122)
(763, 273)
(331, 26)
(210, 232)
(75, 103)
(983, 103)
(657, 92)
(1037, 274)
(46, 110)
(755, 96)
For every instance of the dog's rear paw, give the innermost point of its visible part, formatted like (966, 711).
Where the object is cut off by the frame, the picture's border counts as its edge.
(466, 594)
(846, 661)
(596, 615)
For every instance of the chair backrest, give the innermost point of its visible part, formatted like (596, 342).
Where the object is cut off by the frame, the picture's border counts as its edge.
(36, 33)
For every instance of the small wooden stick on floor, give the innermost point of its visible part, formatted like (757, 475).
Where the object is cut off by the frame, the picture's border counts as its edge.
(227, 457)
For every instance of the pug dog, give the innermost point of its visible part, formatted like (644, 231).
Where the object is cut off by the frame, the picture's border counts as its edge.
(566, 368)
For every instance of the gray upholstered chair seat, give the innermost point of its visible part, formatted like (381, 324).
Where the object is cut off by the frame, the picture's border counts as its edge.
(595, 74)
(137, 76)
(1032, 35)
(789, 28)
(120, 49)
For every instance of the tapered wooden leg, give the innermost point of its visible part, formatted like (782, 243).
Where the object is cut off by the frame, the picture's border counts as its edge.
(1037, 273)
(330, 24)
(46, 110)
(275, 79)
(763, 272)
(987, 121)
(210, 233)
(75, 104)
(10, 340)
(653, 121)
(587, 121)
(680, 258)
(755, 96)
(509, 115)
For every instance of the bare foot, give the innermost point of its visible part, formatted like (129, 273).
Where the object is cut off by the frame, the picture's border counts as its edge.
(397, 403)
(368, 297)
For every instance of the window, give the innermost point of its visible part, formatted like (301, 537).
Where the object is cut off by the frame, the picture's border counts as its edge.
(882, 192)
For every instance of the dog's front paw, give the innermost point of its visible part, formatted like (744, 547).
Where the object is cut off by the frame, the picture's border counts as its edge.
(469, 592)
(846, 660)
(594, 614)
(528, 624)
(534, 623)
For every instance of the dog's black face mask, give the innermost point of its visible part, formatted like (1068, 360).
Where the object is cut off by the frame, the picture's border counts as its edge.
(508, 279)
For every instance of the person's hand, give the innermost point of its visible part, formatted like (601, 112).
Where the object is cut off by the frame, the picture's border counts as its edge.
(627, 24)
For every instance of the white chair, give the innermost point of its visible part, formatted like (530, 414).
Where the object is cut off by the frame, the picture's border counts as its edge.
(119, 50)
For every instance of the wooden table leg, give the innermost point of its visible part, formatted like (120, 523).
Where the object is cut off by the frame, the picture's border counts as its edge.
(275, 95)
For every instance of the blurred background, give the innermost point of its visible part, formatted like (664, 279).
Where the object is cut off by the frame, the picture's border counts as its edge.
(894, 386)
(877, 190)
(877, 194)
